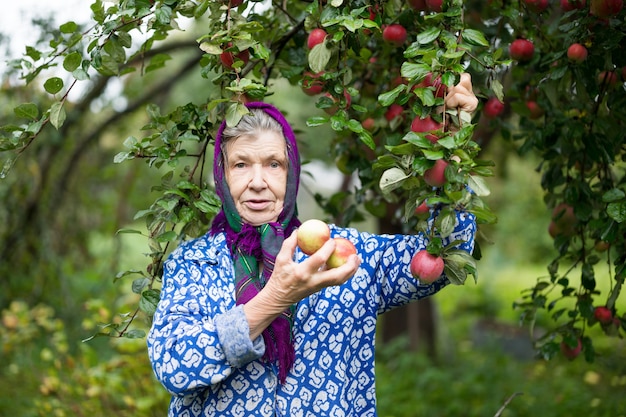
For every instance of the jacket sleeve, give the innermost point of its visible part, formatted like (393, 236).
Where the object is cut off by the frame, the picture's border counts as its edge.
(386, 263)
(198, 335)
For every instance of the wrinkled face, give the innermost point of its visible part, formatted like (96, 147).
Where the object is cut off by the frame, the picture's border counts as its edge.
(256, 169)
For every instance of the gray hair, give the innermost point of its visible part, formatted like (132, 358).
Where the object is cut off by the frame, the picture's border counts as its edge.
(255, 121)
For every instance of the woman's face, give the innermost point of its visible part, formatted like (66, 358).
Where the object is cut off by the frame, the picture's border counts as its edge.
(256, 168)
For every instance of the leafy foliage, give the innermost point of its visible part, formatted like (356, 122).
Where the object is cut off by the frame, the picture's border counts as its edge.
(576, 131)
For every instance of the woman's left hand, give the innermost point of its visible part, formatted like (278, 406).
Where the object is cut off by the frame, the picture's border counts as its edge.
(461, 95)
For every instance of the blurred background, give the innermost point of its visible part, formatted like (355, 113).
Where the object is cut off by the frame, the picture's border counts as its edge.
(61, 260)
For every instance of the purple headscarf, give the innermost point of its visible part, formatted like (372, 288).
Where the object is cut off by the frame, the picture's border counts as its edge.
(250, 245)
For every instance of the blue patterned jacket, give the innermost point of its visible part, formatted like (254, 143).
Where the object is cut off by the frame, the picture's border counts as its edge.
(200, 348)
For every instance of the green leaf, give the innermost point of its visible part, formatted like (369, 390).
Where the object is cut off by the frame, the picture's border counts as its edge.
(167, 236)
(414, 71)
(149, 301)
(613, 195)
(316, 121)
(27, 111)
(474, 37)
(478, 185)
(367, 139)
(135, 333)
(428, 36)
(617, 211)
(57, 114)
(69, 27)
(388, 98)
(140, 284)
(72, 61)
(53, 85)
(392, 179)
(234, 113)
(129, 231)
(319, 57)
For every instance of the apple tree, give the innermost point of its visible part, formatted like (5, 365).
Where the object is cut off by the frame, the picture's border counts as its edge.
(378, 72)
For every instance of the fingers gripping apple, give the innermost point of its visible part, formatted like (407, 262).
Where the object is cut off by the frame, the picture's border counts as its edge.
(312, 234)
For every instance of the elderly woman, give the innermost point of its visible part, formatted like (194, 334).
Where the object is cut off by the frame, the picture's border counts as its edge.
(247, 324)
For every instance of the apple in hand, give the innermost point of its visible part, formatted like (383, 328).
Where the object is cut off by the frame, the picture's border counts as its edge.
(343, 249)
(436, 176)
(426, 267)
(311, 235)
(395, 34)
(522, 50)
(316, 36)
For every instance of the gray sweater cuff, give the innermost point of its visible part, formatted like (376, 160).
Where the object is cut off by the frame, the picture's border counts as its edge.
(233, 332)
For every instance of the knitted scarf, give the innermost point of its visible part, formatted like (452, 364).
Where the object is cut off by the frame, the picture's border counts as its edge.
(250, 245)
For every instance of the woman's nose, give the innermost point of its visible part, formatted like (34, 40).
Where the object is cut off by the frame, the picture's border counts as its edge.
(257, 179)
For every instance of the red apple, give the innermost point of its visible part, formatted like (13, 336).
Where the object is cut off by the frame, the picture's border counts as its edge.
(602, 245)
(608, 79)
(427, 124)
(434, 5)
(535, 110)
(333, 109)
(606, 8)
(493, 107)
(368, 124)
(311, 235)
(426, 267)
(419, 5)
(395, 110)
(603, 315)
(537, 6)
(311, 84)
(343, 249)
(436, 176)
(522, 50)
(569, 5)
(316, 36)
(571, 352)
(577, 53)
(563, 221)
(395, 34)
(228, 58)
(422, 209)
(440, 89)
